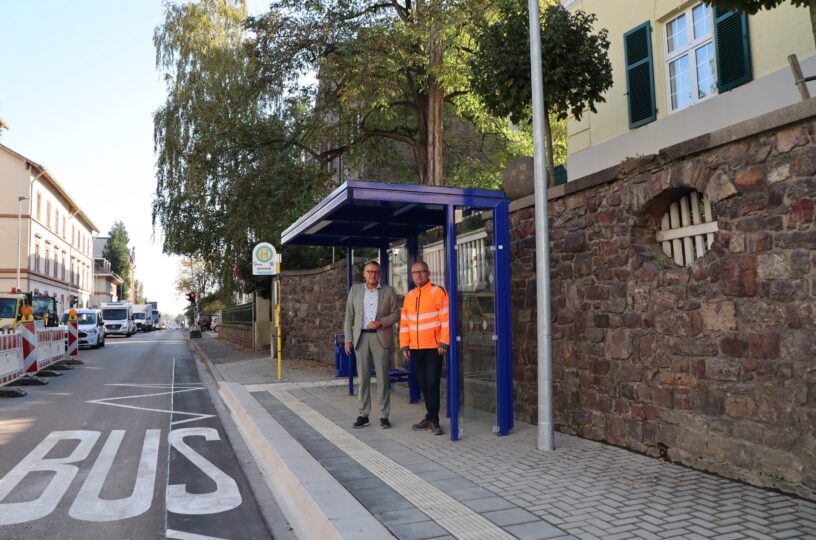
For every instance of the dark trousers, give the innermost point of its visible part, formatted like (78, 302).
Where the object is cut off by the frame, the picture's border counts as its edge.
(428, 368)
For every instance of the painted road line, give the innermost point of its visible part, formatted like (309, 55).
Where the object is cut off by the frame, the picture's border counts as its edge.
(449, 513)
(172, 391)
(181, 535)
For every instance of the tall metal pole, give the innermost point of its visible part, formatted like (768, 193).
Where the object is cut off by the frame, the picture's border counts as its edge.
(543, 319)
(20, 200)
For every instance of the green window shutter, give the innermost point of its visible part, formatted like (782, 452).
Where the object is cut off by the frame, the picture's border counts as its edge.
(733, 50)
(637, 46)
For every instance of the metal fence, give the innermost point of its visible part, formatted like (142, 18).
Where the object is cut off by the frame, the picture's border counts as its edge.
(240, 315)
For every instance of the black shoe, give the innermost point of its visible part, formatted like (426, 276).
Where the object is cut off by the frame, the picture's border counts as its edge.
(362, 421)
(384, 423)
(422, 425)
(434, 428)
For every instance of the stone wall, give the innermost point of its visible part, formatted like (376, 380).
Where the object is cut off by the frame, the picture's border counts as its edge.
(713, 365)
(313, 309)
(237, 335)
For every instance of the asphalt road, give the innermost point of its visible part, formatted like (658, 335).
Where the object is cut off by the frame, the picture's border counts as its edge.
(126, 446)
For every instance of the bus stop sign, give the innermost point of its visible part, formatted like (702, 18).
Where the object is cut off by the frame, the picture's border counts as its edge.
(264, 259)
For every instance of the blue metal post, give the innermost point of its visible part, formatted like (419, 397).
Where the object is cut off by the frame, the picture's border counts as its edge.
(385, 275)
(412, 245)
(504, 344)
(451, 283)
(349, 278)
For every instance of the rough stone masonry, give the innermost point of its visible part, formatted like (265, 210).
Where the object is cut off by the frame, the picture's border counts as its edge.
(712, 365)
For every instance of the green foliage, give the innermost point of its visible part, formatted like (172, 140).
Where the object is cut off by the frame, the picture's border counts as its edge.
(116, 251)
(228, 173)
(575, 68)
(382, 67)
(753, 6)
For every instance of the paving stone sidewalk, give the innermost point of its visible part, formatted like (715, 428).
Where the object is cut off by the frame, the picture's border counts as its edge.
(484, 486)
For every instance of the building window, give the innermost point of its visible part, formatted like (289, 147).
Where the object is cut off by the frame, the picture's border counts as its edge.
(39, 206)
(37, 256)
(48, 214)
(690, 67)
(64, 229)
(57, 222)
(687, 229)
(47, 259)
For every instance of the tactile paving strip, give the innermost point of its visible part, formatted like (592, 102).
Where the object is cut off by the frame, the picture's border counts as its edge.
(449, 513)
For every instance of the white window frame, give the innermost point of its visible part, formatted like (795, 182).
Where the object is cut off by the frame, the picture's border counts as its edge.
(689, 50)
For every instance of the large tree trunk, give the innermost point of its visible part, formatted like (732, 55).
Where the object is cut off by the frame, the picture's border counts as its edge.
(435, 112)
(431, 171)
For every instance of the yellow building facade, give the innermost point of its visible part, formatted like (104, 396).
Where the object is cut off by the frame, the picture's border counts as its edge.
(684, 69)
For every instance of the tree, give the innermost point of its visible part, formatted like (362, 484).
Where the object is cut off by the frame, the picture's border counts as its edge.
(576, 69)
(227, 174)
(391, 74)
(116, 251)
(751, 7)
(140, 296)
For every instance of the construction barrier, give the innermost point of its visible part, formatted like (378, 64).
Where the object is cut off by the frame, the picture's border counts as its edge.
(42, 347)
(73, 339)
(11, 358)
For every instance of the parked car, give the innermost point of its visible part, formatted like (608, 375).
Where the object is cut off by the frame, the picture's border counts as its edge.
(204, 321)
(91, 327)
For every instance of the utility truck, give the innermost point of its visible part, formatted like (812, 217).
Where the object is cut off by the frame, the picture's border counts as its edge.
(118, 317)
(143, 317)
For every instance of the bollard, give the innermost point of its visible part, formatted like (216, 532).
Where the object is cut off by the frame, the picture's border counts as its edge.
(28, 332)
(73, 340)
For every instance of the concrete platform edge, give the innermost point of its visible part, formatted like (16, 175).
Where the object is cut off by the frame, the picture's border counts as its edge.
(318, 508)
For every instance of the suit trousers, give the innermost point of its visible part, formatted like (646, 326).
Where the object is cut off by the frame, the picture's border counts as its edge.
(369, 350)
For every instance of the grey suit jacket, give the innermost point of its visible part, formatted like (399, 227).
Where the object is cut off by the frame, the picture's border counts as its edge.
(387, 313)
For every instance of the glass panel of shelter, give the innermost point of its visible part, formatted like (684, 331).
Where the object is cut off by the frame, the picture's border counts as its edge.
(476, 301)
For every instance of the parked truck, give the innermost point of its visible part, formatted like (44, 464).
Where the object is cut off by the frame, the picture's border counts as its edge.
(156, 315)
(118, 317)
(143, 317)
(11, 310)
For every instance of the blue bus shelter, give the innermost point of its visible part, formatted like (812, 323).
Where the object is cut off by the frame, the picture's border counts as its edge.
(379, 215)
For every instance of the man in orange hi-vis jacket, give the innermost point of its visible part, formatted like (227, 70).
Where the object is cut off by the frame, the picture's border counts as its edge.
(424, 337)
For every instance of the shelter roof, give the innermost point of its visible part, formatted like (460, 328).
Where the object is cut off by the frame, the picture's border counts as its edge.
(374, 214)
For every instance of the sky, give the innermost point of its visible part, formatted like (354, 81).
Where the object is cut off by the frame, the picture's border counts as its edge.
(78, 88)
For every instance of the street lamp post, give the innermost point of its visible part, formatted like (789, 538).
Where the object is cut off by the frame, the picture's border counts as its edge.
(20, 200)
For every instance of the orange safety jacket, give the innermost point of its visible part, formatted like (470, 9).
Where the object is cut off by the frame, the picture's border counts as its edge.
(424, 319)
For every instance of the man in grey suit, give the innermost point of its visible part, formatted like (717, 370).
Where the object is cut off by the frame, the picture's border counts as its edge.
(371, 311)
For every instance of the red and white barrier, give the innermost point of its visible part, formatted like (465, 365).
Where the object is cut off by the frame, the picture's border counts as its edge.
(11, 358)
(42, 347)
(73, 339)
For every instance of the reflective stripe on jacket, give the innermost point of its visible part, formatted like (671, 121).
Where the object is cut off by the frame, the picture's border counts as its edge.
(424, 319)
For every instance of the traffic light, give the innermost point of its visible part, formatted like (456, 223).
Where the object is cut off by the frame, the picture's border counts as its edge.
(191, 297)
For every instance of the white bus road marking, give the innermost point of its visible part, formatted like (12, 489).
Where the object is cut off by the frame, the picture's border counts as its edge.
(173, 389)
(181, 535)
(88, 506)
(226, 495)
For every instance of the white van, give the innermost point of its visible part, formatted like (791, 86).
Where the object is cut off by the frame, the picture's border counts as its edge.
(143, 317)
(91, 327)
(118, 317)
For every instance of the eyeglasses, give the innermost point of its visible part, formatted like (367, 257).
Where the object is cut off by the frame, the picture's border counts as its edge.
(419, 272)
(372, 271)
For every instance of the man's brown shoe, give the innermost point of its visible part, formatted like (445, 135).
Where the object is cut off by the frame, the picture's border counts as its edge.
(422, 425)
(434, 428)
